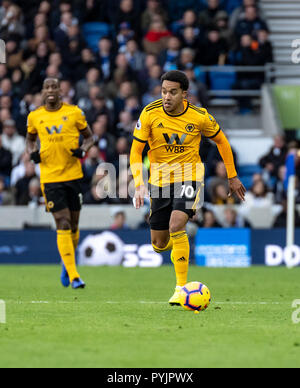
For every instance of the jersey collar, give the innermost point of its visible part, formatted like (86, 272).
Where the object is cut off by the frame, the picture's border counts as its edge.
(185, 102)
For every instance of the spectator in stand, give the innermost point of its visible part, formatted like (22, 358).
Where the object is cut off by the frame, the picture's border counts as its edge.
(88, 61)
(197, 89)
(189, 20)
(134, 56)
(177, 8)
(5, 161)
(33, 197)
(209, 220)
(279, 189)
(219, 177)
(92, 79)
(152, 95)
(89, 167)
(12, 141)
(132, 105)
(156, 39)
(5, 196)
(125, 126)
(122, 149)
(259, 196)
(61, 33)
(119, 222)
(187, 59)
(67, 91)
(247, 55)
(153, 8)
(221, 21)
(125, 33)
(265, 49)
(126, 90)
(14, 53)
(143, 75)
(190, 39)
(105, 57)
(155, 74)
(281, 220)
(275, 158)
(220, 194)
(251, 23)
(214, 50)
(99, 191)
(232, 218)
(18, 172)
(206, 17)
(104, 140)
(41, 34)
(22, 184)
(97, 107)
(239, 13)
(12, 23)
(127, 13)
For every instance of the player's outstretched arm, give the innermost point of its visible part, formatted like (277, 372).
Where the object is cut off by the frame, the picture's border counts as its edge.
(88, 143)
(32, 148)
(235, 185)
(136, 165)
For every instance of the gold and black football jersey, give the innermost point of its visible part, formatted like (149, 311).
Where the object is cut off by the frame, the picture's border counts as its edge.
(174, 141)
(58, 132)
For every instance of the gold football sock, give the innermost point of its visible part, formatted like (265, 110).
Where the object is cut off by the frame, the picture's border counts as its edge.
(75, 239)
(67, 252)
(168, 247)
(181, 255)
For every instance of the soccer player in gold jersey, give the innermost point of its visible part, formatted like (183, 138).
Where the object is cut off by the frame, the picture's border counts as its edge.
(58, 127)
(173, 129)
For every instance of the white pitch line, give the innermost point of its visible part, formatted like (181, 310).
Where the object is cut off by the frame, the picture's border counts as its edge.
(150, 302)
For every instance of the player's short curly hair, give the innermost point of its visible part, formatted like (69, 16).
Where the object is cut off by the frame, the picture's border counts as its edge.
(177, 76)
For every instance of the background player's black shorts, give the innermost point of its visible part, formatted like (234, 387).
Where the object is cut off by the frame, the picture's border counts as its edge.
(187, 197)
(63, 195)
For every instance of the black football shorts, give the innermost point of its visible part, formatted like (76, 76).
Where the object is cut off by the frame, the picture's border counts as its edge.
(63, 195)
(187, 197)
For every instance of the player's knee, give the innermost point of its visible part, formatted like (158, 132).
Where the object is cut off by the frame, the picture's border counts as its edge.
(159, 244)
(175, 227)
(63, 223)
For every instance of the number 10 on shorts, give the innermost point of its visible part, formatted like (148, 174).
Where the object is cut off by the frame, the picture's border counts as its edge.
(2, 312)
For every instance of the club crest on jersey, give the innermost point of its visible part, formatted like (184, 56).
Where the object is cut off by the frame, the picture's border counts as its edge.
(190, 128)
(54, 129)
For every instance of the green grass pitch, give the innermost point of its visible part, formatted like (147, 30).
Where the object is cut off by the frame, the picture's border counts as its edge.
(122, 319)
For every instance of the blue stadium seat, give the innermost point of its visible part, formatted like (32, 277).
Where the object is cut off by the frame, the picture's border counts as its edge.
(93, 32)
(222, 80)
(232, 5)
(200, 74)
(249, 169)
(246, 173)
(247, 181)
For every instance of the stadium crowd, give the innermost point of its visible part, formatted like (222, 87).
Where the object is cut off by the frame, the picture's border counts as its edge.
(113, 78)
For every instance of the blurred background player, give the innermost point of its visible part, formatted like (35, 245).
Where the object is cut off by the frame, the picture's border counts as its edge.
(58, 126)
(173, 128)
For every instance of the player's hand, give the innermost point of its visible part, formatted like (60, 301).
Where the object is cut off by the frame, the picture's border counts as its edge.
(236, 187)
(35, 157)
(139, 197)
(78, 153)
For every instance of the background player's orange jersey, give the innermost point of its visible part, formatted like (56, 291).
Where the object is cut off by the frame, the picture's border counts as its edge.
(174, 142)
(58, 132)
